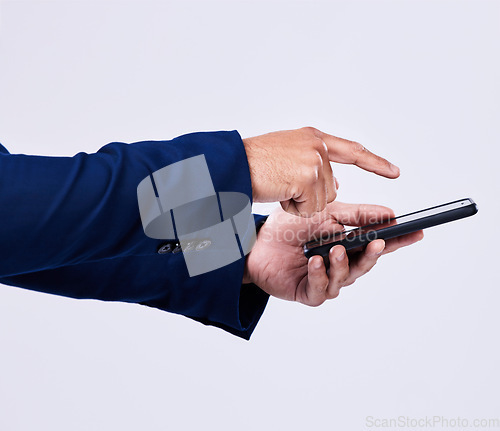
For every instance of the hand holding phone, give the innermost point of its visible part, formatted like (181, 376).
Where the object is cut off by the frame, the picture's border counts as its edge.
(278, 266)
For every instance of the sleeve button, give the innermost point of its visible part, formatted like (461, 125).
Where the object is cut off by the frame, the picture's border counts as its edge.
(166, 248)
(177, 249)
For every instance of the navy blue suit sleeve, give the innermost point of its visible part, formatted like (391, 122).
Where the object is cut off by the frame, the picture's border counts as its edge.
(71, 226)
(57, 211)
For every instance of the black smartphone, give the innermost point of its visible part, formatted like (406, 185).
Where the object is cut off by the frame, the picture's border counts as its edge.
(356, 239)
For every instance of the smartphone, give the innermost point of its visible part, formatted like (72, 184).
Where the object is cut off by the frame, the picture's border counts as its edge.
(356, 239)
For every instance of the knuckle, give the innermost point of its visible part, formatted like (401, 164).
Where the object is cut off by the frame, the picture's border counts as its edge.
(344, 279)
(323, 149)
(318, 144)
(322, 288)
(320, 147)
(310, 130)
(317, 302)
(332, 195)
(357, 148)
(317, 160)
(312, 159)
(311, 174)
(341, 282)
(334, 293)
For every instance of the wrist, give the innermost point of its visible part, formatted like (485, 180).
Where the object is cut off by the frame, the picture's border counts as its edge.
(248, 146)
(247, 272)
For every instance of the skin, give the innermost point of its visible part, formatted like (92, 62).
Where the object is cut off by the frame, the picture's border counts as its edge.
(293, 167)
(278, 266)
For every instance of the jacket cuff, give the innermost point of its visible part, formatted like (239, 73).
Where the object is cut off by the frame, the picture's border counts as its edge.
(251, 302)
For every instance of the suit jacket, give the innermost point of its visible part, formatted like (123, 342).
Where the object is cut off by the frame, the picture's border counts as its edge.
(71, 226)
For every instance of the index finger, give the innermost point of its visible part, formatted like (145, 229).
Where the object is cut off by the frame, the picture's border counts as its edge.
(350, 152)
(359, 214)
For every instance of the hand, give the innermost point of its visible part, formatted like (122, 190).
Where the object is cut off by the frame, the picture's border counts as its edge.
(293, 167)
(278, 266)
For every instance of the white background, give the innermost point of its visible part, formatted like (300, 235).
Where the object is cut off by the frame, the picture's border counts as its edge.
(414, 81)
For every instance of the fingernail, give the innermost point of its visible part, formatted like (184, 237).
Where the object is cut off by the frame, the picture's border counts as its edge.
(317, 263)
(340, 256)
(379, 252)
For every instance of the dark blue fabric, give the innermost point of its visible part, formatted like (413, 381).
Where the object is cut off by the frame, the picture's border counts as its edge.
(71, 226)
